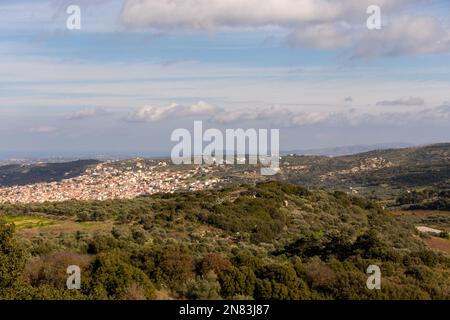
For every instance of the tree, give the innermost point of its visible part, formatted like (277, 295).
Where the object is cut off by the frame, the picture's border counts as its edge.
(279, 282)
(111, 277)
(12, 257)
(176, 268)
(213, 262)
(204, 288)
(237, 281)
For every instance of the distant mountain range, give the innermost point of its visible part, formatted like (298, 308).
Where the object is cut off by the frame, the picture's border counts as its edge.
(347, 150)
(26, 159)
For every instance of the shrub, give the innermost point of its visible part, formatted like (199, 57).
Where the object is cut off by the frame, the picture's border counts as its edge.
(51, 269)
(237, 281)
(111, 277)
(203, 288)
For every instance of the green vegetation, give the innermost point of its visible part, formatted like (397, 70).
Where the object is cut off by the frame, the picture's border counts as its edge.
(28, 222)
(425, 199)
(267, 241)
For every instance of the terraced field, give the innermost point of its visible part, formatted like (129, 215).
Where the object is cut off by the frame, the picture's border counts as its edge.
(29, 226)
(30, 222)
(439, 244)
(430, 218)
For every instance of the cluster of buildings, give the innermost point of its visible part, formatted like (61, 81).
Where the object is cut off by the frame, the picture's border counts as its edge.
(113, 180)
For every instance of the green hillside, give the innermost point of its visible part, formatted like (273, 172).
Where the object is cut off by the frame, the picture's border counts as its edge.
(11, 175)
(379, 172)
(269, 241)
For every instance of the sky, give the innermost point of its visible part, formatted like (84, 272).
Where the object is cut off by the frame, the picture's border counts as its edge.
(138, 69)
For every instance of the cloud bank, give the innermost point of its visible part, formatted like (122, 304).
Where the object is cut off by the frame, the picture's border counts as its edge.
(323, 24)
(280, 116)
(213, 14)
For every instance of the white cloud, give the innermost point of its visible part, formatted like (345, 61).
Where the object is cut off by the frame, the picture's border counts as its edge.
(406, 101)
(42, 129)
(276, 115)
(284, 117)
(230, 116)
(405, 35)
(323, 24)
(400, 35)
(213, 14)
(87, 113)
(157, 113)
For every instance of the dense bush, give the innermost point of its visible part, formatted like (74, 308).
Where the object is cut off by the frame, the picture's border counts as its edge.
(112, 277)
(12, 257)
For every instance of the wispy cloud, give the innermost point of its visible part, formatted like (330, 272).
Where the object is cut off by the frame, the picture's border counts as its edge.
(444, 108)
(87, 113)
(49, 16)
(42, 129)
(406, 101)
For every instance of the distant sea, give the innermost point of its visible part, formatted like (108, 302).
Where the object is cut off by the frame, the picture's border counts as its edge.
(54, 156)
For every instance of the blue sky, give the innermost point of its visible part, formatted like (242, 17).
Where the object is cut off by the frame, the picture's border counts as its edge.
(139, 69)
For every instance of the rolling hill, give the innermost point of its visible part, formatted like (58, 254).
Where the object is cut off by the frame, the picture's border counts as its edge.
(16, 174)
(374, 170)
